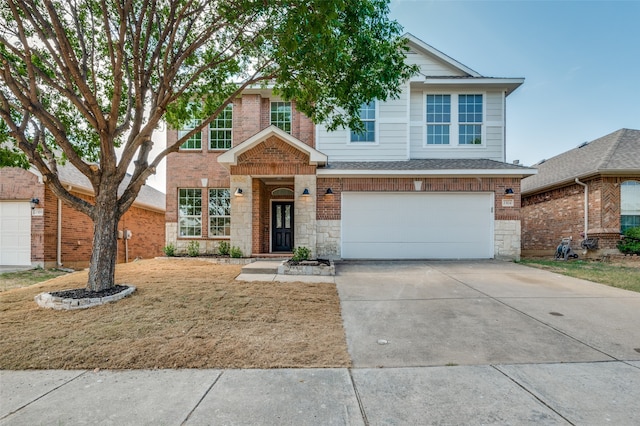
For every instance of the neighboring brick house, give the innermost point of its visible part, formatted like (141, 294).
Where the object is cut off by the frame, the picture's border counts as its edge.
(428, 178)
(38, 229)
(605, 173)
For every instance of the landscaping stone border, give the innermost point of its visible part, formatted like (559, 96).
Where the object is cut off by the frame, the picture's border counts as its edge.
(216, 260)
(46, 300)
(307, 268)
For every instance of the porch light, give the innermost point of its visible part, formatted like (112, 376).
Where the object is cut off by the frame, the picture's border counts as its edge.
(508, 191)
(306, 192)
(329, 193)
(34, 202)
(238, 192)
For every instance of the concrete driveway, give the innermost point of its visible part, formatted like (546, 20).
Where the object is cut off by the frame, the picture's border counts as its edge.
(438, 313)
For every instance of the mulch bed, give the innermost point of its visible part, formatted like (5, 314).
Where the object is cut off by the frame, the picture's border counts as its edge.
(83, 293)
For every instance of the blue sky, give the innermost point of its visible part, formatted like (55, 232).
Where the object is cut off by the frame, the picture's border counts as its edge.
(580, 61)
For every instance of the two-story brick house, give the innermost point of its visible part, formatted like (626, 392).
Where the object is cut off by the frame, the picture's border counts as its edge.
(427, 179)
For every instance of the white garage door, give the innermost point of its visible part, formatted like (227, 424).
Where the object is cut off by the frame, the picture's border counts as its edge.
(15, 233)
(417, 225)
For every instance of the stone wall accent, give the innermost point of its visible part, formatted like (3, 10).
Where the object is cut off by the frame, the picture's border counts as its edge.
(305, 213)
(507, 239)
(328, 239)
(241, 214)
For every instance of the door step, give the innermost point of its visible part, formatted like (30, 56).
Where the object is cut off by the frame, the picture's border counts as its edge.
(263, 267)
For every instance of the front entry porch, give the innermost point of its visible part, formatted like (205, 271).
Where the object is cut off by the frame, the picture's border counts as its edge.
(273, 177)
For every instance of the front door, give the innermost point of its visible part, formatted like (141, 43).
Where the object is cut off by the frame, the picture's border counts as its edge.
(282, 226)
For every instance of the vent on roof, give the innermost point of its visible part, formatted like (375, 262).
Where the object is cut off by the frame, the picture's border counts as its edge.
(583, 144)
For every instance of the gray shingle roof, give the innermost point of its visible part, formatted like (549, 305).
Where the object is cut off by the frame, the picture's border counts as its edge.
(614, 153)
(147, 196)
(426, 164)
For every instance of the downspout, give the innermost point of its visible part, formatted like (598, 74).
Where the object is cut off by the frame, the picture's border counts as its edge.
(586, 206)
(59, 242)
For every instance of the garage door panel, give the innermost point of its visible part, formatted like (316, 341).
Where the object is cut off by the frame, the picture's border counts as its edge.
(15, 233)
(417, 225)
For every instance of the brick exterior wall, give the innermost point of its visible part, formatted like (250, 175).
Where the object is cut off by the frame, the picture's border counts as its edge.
(329, 206)
(146, 226)
(187, 168)
(559, 212)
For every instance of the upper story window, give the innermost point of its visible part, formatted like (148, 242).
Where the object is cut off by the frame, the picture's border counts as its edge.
(629, 205)
(465, 127)
(368, 118)
(221, 129)
(470, 119)
(195, 141)
(190, 212)
(281, 115)
(438, 119)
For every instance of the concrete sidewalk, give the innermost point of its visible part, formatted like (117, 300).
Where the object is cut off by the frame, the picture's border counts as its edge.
(431, 342)
(578, 393)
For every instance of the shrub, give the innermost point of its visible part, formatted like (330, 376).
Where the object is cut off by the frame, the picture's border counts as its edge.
(235, 252)
(169, 250)
(223, 248)
(301, 253)
(631, 243)
(193, 249)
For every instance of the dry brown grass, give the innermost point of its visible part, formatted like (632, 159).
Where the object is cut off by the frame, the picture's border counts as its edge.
(184, 314)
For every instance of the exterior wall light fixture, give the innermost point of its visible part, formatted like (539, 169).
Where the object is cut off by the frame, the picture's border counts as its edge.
(306, 192)
(329, 193)
(508, 191)
(34, 202)
(238, 192)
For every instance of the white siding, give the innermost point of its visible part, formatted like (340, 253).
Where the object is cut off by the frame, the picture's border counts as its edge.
(432, 66)
(391, 135)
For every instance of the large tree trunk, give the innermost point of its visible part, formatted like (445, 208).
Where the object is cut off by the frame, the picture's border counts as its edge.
(105, 241)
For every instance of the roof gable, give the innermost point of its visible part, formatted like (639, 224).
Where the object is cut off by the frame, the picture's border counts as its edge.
(456, 68)
(615, 153)
(230, 158)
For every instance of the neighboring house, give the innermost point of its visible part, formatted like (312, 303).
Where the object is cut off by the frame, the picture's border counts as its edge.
(427, 179)
(38, 229)
(603, 174)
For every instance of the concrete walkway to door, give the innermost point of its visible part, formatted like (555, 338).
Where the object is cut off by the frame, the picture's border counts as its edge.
(447, 335)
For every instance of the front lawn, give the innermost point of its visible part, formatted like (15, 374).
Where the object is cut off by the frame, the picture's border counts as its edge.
(184, 314)
(9, 280)
(616, 275)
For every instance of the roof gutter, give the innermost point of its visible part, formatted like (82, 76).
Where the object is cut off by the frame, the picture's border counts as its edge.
(586, 206)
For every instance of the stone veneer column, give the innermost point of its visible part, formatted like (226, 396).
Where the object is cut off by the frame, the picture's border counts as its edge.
(328, 239)
(241, 214)
(305, 213)
(507, 235)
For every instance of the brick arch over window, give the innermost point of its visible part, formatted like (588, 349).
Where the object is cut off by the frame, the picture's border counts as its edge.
(629, 204)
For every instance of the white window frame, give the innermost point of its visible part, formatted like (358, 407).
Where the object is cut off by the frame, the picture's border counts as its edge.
(189, 126)
(271, 111)
(196, 217)
(376, 133)
(228, 108)
(629, 188)
(227, 217)
(454, 124)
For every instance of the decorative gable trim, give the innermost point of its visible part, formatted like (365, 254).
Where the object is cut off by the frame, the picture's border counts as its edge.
(230, 158)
